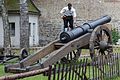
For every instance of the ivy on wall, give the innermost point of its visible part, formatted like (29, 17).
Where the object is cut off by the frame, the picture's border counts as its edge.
(115, 36)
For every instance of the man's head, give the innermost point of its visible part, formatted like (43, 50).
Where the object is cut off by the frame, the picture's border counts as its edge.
(69, 6)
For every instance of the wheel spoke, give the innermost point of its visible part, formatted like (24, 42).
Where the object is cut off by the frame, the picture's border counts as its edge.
(96, 47)
(97, 42)
(100, 41)
(109, 50)
(98, 37)
(102, 35)
(106, 37)
(104, 53)
(74, 55)
(67, 56)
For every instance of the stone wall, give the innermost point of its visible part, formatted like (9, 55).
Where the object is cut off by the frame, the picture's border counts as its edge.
(113, 9)
(49, 31)
(51, 23)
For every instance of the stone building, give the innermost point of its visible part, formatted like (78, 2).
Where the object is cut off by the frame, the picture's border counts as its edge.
(14, 22)
(112, 8)
(51, 23)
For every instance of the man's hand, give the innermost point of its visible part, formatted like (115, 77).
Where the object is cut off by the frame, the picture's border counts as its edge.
(63, 17)
(75, 24)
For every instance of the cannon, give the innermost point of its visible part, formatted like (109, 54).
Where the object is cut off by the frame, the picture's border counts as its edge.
(94, 36)
(80, 30)
(95, 42)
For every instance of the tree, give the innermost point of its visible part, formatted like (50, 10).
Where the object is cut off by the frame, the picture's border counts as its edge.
(24, 24)
(6, 28)
(115, 36)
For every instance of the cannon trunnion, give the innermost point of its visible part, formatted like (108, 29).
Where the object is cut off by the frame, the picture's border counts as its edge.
(94, 36)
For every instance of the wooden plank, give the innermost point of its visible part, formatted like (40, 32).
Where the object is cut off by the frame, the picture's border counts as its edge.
(50, 73)
(76, 71)
(38, 55)
(62, 72)
(58, 76)
(55, 55)
(73, 70)
(72, 45)
(59, 45)
(8, 68)
(33, 58)
(54, 72)
(66, 71)
(23, 75)
(70, 71)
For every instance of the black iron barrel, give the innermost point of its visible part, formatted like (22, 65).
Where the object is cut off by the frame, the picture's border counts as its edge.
(81, 30)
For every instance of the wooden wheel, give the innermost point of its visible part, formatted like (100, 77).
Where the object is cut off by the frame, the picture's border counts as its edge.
(74, 55)
(100, 41)
(23, 53)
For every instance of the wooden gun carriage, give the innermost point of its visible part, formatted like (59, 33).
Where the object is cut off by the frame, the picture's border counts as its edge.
(93, 35)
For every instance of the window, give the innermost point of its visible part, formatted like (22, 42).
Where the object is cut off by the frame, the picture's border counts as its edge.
(33, 24)
(12, 29)
(34, 28)
(29, 29)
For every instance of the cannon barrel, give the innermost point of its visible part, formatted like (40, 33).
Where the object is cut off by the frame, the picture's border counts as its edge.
(80, 30)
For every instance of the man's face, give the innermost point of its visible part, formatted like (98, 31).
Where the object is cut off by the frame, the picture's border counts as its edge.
(69, 7)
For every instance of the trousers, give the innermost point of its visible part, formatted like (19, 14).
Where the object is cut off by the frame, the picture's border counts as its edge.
(68, 19)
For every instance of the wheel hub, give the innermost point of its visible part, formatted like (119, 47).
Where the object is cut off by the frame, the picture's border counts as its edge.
(103, 45)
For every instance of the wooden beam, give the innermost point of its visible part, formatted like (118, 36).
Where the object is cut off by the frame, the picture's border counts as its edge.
(63, 51)
(23, 75)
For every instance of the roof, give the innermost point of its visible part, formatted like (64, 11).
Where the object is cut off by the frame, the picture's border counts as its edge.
(14, 5)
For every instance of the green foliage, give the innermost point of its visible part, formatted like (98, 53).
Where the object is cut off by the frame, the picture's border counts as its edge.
(2, 73)
(14, 5)
(115, 36)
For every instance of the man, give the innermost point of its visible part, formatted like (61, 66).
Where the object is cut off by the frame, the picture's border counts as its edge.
(69, 16)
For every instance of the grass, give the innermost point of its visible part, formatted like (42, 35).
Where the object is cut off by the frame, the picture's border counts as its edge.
(38, 77)
(2, 73)
(41, 77)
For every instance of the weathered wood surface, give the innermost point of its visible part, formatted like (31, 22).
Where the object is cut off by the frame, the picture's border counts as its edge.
(70, 46)
(33, 57)
(54, 54)
(23, 75)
